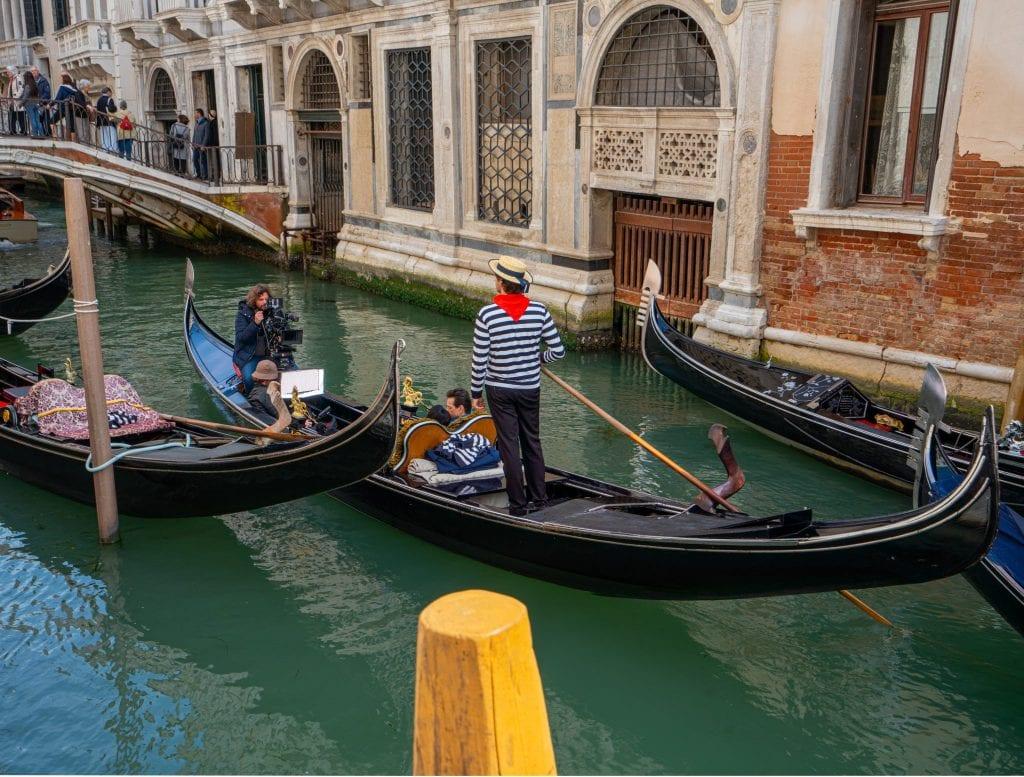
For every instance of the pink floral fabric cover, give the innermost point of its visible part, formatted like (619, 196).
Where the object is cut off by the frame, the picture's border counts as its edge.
(126, 413)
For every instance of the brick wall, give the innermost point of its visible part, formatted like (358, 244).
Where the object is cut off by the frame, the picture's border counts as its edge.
(968, 303)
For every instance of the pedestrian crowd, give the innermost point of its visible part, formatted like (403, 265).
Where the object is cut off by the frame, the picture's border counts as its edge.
(32, 108)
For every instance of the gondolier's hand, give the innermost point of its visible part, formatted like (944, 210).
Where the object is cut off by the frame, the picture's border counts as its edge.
(478, 404)
(258, 318)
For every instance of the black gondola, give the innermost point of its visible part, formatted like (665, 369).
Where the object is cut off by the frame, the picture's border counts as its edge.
(34, 298)
(999, 576)
(196, 471)
(823, 415)
(615, 540)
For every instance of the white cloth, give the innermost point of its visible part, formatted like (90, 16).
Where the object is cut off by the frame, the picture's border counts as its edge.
(426, 469)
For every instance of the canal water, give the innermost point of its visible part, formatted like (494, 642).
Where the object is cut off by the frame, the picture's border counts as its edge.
(283, 640)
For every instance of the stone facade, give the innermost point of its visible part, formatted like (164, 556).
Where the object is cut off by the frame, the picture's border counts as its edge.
(797, 264)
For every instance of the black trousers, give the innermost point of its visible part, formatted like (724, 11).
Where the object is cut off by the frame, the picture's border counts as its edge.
(517, 416)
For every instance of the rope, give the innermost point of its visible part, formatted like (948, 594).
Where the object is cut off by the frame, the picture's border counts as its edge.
(81, 306)
(130, 450)
(83, 409)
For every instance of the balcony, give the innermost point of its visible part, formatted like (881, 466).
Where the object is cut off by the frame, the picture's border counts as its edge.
(186, 20)
(14, 53)
(85, 50)
(669, 151)
(133, 20)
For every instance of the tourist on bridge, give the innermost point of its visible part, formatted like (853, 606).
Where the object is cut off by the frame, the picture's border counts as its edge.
(83, 112)
(105, 109)
(125, 130)
(507, 356)
(15, 115)
(62, 115)
(200, 141)
(181, 139)
(45, 95)
(251, 341)
(30, 104)
(213, 144)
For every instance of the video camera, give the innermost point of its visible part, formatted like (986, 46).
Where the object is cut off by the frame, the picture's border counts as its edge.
(282, 337)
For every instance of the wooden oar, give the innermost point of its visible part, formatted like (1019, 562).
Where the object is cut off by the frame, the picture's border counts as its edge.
(691, 478)
(244, 430)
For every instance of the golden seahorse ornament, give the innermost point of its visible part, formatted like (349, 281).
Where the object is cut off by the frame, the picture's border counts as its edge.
(69, 371)
(410, 396)
(300, 410)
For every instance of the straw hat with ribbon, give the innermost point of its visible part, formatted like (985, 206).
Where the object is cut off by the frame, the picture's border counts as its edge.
(512, 270)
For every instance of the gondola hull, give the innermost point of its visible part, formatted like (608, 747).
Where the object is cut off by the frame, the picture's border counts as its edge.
(34, 299)
(740, 387)
(236, 475)
(656, 567)
(615, 540)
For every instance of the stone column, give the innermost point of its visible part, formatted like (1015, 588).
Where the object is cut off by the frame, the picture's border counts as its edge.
(733, 316)
(447, 128)
(298, 177)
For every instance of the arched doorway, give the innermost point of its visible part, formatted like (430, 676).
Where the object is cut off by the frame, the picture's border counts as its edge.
(319, 118)
(658, 178)
(162, 99)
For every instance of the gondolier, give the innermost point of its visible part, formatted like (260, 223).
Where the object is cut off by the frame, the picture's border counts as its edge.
(506, 360)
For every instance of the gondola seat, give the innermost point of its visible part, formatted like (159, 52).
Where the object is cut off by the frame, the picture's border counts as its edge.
(418, 437)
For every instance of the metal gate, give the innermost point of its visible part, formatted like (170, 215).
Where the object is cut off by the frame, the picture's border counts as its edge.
(674, 233)
(326, 184)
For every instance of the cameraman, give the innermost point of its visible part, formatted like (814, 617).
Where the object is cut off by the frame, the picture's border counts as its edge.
(251, 342)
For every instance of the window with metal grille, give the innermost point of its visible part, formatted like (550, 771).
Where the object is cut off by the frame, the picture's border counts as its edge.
(61, 14)
(659, 58)
(163, 92)
(411, 130)
(504, 131)
(33, 18)
(361, 67)
(319, 84)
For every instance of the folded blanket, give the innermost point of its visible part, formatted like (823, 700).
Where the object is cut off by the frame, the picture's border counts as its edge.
(428, 470)
(464, 453)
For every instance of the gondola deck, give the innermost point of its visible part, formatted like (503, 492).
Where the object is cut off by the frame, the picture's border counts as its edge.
(34, 298)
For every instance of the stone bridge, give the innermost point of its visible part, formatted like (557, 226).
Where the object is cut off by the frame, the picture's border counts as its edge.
(184, 207)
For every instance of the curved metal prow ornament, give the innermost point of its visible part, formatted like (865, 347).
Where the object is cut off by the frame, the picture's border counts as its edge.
(649, 290)
(190, 279)
(931, 407)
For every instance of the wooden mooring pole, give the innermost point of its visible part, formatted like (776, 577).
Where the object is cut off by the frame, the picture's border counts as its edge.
(88, 320)
(1015, 397)
(479, 701)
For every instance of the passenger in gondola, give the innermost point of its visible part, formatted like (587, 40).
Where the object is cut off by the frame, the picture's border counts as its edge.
(251, 341)
(266, 372)
(507, 357)
(440, 414)
(458, 403)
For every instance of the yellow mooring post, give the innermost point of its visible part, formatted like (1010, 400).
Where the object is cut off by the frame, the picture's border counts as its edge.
(76, 208)
(479, 701)
(1015, 396)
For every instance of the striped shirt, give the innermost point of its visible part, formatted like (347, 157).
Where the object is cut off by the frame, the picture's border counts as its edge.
(506, 353)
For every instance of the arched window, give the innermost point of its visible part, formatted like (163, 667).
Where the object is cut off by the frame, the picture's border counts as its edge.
(164, 100)
(319, 84)
(660, 57)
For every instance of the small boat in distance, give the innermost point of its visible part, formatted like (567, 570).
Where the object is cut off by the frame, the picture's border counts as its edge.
(620, 541)
(823, 415)
(34, 298)
(16, 224)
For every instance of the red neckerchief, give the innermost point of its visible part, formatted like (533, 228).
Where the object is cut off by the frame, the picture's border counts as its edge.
(513, 304)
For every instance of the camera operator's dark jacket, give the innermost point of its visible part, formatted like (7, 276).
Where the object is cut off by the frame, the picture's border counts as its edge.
(247, 334)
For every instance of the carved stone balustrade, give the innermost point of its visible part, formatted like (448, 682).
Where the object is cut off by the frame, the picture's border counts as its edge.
(674, 151)
(86, 50)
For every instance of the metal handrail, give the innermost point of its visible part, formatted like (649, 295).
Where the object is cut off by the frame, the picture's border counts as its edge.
(150, 147)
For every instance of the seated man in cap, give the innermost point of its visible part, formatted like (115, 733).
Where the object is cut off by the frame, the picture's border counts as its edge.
(507, 357)
(260, 399)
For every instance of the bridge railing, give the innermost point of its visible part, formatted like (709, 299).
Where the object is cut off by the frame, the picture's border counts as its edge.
(153, 148)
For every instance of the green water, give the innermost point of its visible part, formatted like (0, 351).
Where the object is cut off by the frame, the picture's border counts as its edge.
(283, 640)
